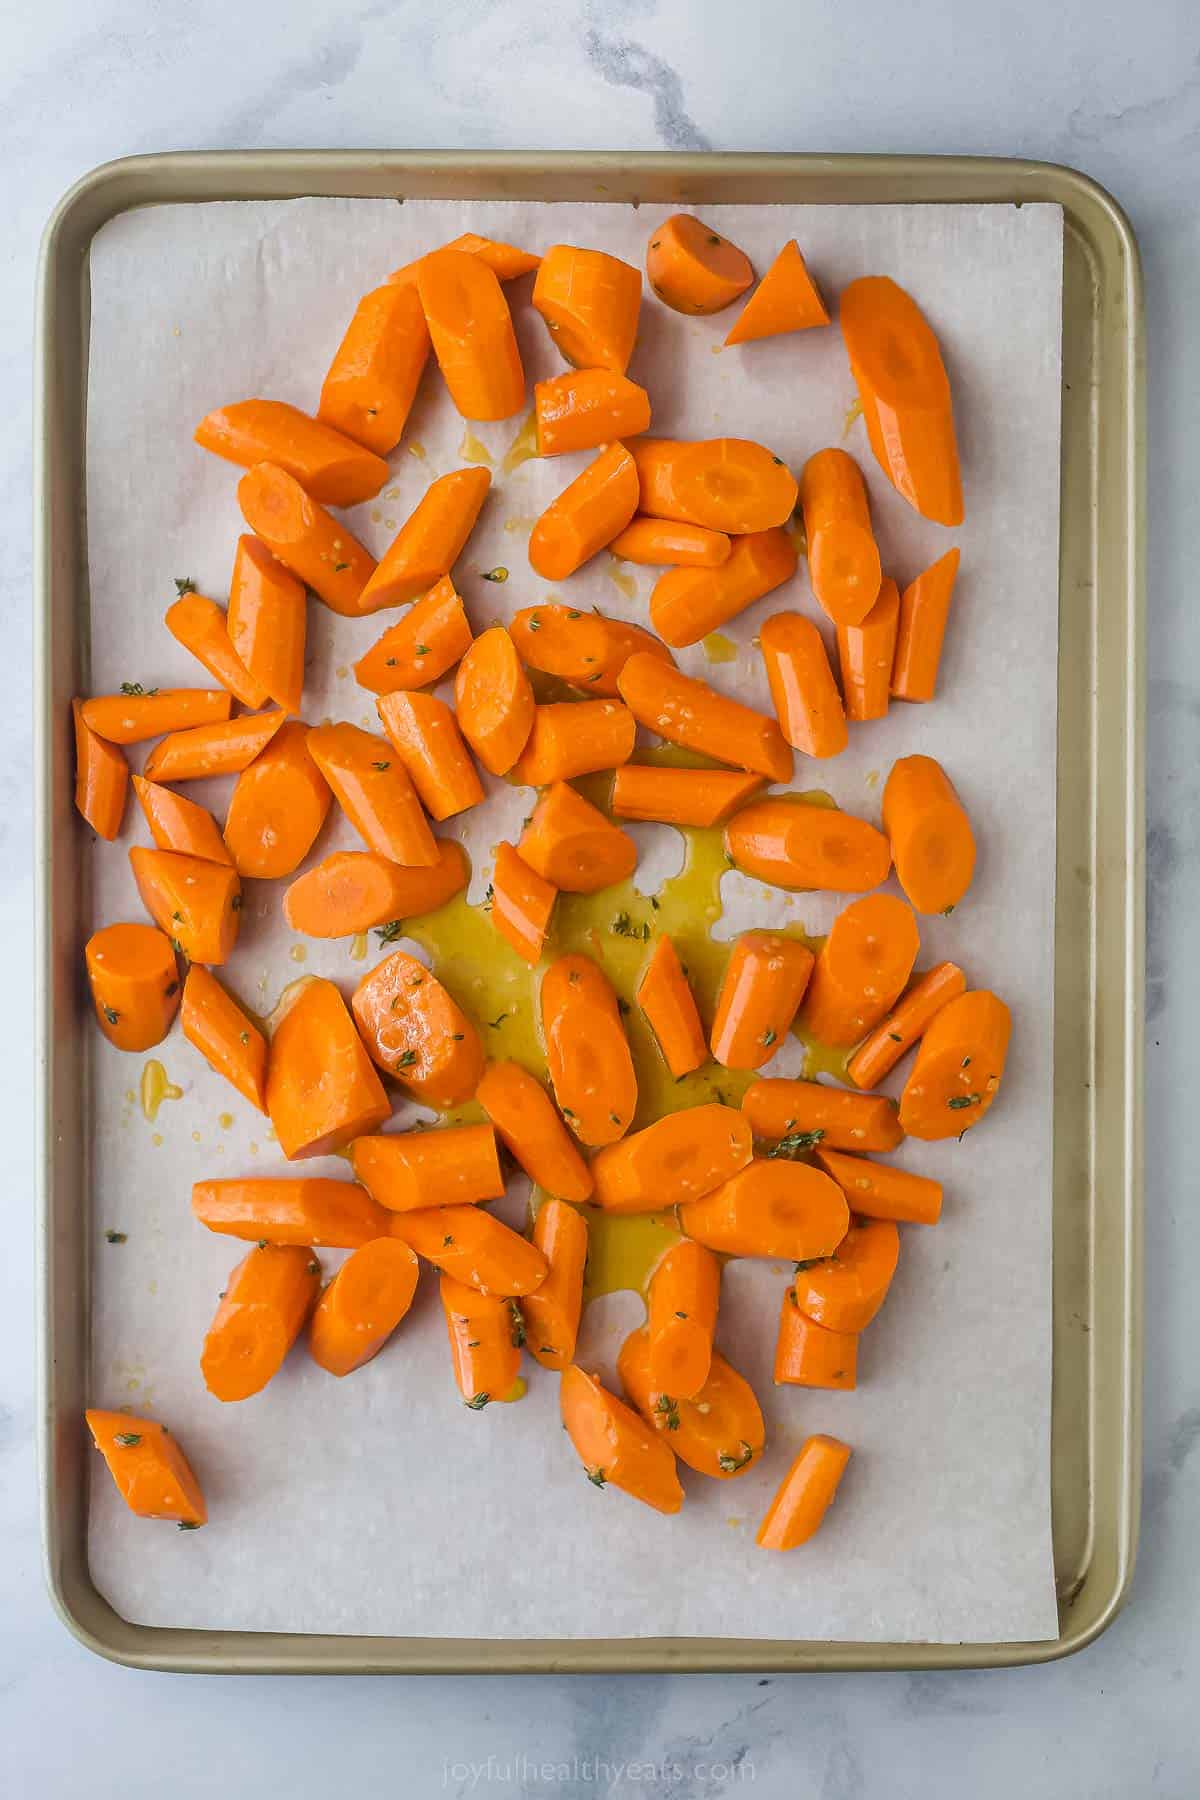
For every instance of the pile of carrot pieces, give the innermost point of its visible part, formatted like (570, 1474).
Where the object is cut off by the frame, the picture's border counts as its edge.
(794, 1173)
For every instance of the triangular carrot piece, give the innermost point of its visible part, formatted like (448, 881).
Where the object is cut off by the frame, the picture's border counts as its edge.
(786, 299)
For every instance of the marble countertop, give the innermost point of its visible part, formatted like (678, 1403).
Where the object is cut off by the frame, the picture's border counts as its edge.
(1117, 95)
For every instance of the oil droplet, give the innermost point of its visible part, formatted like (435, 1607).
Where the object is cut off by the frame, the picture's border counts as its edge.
(272, 1135)
(872, 778)
(358, 947)
(623, 1250)
(132, 1385)
(156, 1140)
(342, 672)
(195, 1137)
(619, 579)
(390, 524)
(520, 522)
(225, 1121)
(152, 1287)
(735, 1522)
(376, 515)
(523, 446)
(718, 648)
(130, 1097)
(472, 450)
(517, 1391)
(392, 493)
(156, 1087)
(795, 530)
(298, 953)
(253, 1148)
(852, 413)
(417, 449)
(715, 349)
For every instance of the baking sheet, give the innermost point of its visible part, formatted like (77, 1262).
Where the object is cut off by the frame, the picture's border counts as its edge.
(378, 1505)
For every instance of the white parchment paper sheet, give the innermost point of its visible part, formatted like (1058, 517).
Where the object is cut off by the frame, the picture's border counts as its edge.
(380, 1504)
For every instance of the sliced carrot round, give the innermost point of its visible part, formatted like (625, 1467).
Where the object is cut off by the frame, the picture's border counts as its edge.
(846, 1289)
(134, 983)
(930, 833)
(959, 1067)
(862, 968)
(617, 1448)
(362, 1306)
(793, 845)
(417, 1033)
(682, 1156)
(719, 1431)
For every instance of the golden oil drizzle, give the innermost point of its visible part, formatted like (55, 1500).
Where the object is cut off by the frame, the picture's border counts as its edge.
(517, 1391)
(298, 953)
(795, 530)
(520, 522)
(620, 579)
(225, 1121)
(358, 947)
(473, 450)
(718, 648)
(852, 412)
(156, 1087)
(523, 446)
(417, 449)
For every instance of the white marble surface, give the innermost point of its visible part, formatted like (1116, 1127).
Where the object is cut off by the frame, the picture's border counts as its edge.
(1112, 88)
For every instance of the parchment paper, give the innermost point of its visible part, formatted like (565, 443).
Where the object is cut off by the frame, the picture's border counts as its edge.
(380, 1504)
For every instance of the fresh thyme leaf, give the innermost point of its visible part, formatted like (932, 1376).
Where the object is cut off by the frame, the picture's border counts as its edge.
(795, 1142)
(727, 1461)
(768, 1038)
(497, 1022)
(518, 1325)
(184, 585)
(422, 649)
(128, 1440)
(499, 573)
(669, 1410)
(187, 1525)
(111, 1016)
(381, 766)
(478, 1402)
(244, 1036)
(338, 568)
(956, 1102)
(116, 1237)
(387, 934)
(406, 1059)
(597, 1477)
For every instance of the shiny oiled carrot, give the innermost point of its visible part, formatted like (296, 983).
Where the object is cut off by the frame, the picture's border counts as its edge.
(879, 1191)
(924, 610)
(958, 1067)
(688, 712)
(418, 650)
(666, 543)
(586, 408)
(283, 1210)
(422, 731)
(692, 268)
(803, 691)
(202, 627)
(430, 541)
(804, 1495)
(843, 557)
(322, 1091)
(374, 791)
(177, 823)
(571, 844)
(616, 1447)
(474, 1247)
(681, 1157)
(522, 903)
(832, 1116)
(147, 1463)
(591, 1069)
(930, 834)
(687, 604)
(373, 379)
(882, 1050)
(866, 651)
(861, 970)
(585, 648)
(353, 890)
(197, 903)
(328, 466)
(725, 484)
(226, 1037)
(671, 1012)
(532, 1131)
(551, 1312)
(504, 260)
(472, 331)
(494, 701)
(719, 1431)
(220, 749)
(134, 984)
(485, 1342)
(268, 621)
(264, 1307)
(362, 1306)
(810, 1355)
(845, 1289)
(772, 1208)
(278, 807)
(590, 302)
(681, 1317)
(764, 983)
(680, 796)
(317, 548)
(101, 778)
(407, 1171)
(570, 738)
(586, 516)
(132, 717)
(789, 844)
(786, 299)
(416, 1031)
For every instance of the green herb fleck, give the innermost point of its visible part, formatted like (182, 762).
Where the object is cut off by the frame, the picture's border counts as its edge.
(573, 614)
(244, 1037)
(795, 1142)
(478, 1402)
(387, 934)
(768, 1037)
(615, 1117)
(422, 649)
(669, 1410)
(956, 1102)
(597, 1477)
(895, 1037)
(713, 238)
(135, 687)
(261, 1244)
(237, 903)
(381, 766)
(184, 585)
(456, 1037)
(812, 1262)
(535, 624)
(965, 1063)
(172, 988)
(623, 1006)
(187, 1525)
(112, 1017)
(499, 573)
(389, 662)
(489, 896)
(729, 1464)
(680, 1315)
(517, 1325)
(946, 911)
(497, 1022)
(406, 1059)
(178, 917)
(447, 1240)
(312, 1268)
(128, 1440)
(339, 568)
(623, 926)
(116, 1237)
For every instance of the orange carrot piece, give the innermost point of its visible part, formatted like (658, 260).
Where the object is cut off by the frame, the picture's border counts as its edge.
(616, 1447)
(153, 1476)
(474, 1247)
(930, 834)
(375, 373)
(681, 1317)
(354, 890)
(777, 1209)
(843, 557)
(201, 626)
(793, 845)
(221, 749)
(861, 970)
(924, 610)
(132, 718)
(692, 268)
(586, 515)
(680, 796)
(423, 733)
(725, 484)
(268, 621)
(865, 654)
(177, 823)
(522, 903)
(804, 1495)
(879, 1053)
(263, 1309)
(570, 738)
(810, 1355)
(591, 1069)
(551, 1312)
(571, 844)
(278, 807)
(528, 1122)
(331, 468)
(416, 1031)
(101, 778)
(586, 408)
(670, 1008)
(485, 1342)
(430, 541)
(667, 543)
(686, 711)
(689, 603)
(375, 793)
(839, 1120)
(134, 983)
(764, 983)
(878, 1191)
(226, 1037)
(786, 299)
(317, 548)
(504, 260)
(585, 648)
(959, 1066)
(408, 1171)
(362, 1306)
(681, 1157)
(590, 302)
(803, 692)
(719, 1431)
(905, 395)
(494, 701)
(418, 650)
(322, 1091)
(472, 331)
(844, 1290)
(339, 1214)
(197, 903)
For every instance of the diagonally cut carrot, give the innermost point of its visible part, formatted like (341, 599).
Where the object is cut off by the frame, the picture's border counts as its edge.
(786, 299)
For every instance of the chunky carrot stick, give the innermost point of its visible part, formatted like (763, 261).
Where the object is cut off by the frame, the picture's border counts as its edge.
(373, 379)
(793, 845)
(417, 651)
(528, 1122)
(865, 655)
(486, 1334)
(409, 1170)
(221, 749)
(591, 1069)
(317, 548)
(878, 1191)
(686, 711)
(177, 823)
(277, 807)
(585, 648)
(571, 844)
(570, 738)
(670, 1008)
(803, 691)
(804, 1495)
(472, 332)
(764, 983)
(844, 1290)
(430, 541)
(134, 982)
(717, 1431)
(268, 621)
(422, 731)
(924, 609)
(786, 299)
(770, 1208)
(615, 1446)
(153, 1476)
(724, 484)
(692, 268)
(227, 1039)
(416, 1031)
(689, 603)
(201, 626)
(879, 1053)
(522, 903)
(330, 467)
(362, 1306)
(830, 1116)
(682, 1156)
(905, 395)
(681, 1317)
(665, 543)
(198, 904)
(322, 1091)
(265, 1304)
(504, 260)
(101, 778)
(494, 701)
(930, 833)
(586, 408)
(354, 890)
(474, 1247)
(339, 1214)
(132, 716)
(590, 302)
(861, 971)
(551, 1312)
(374, 791)
(586, 515)
(810, 1355)
(958, 1068)
(843, 557)
(680, 796)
